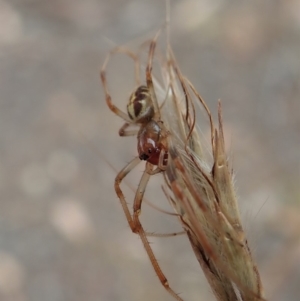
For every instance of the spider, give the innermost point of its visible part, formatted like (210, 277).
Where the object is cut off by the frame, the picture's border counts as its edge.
(152, 144)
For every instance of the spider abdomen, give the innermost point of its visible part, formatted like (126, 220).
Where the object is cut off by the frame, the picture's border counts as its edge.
(140, 107)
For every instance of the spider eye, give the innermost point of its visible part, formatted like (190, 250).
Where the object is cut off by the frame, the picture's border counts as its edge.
(144, 157)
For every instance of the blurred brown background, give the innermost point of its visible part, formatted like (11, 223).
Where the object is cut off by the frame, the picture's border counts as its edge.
(63, 235)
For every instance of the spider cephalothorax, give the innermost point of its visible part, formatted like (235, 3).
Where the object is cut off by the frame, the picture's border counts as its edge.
(150, 145)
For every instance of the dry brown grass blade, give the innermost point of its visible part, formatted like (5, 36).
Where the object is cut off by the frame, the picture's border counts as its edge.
(203, 195)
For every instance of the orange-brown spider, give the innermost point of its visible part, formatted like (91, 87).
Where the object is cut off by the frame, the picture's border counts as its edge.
(142, 111)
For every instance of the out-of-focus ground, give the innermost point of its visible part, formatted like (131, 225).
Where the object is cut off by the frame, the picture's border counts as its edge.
(63, 235)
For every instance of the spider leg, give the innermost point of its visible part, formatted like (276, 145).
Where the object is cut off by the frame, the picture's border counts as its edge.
(109, 102)
(157, 269)
(149, 234)
(134, 221)
(138, 228)
(124, 132)
(149, 78)
(120, 176)
(155, 171)
(161, 165)
(140, 192)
